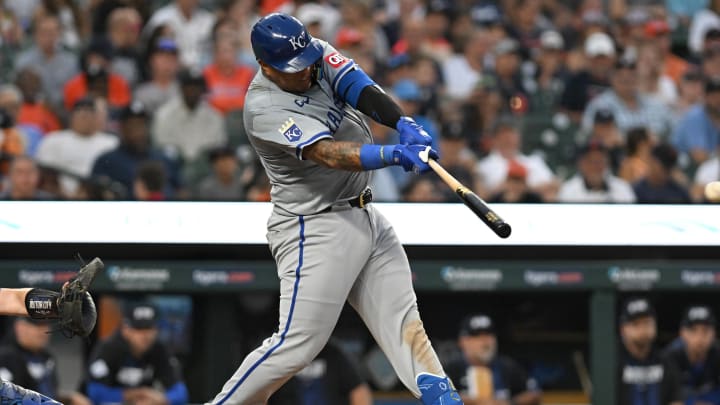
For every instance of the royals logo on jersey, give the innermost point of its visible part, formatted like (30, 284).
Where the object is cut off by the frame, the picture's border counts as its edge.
(291, 131)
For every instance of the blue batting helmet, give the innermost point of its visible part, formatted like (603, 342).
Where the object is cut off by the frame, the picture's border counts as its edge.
(281, 41)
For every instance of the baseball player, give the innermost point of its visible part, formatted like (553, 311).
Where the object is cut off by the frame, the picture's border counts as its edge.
(302, 115)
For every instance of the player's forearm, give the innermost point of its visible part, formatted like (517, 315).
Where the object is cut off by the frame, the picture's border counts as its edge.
(335, 155)
(12, 301)
(377, 105)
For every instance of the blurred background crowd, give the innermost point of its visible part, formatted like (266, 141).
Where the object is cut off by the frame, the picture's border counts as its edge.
(527, 100)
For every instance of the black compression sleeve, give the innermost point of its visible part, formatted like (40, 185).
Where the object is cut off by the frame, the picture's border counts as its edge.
(379, 106)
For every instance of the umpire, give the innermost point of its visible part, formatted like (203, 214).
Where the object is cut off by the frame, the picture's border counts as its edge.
(644, 378)
(129, 365)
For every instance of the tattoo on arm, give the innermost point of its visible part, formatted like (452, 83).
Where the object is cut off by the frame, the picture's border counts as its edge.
(335, 155)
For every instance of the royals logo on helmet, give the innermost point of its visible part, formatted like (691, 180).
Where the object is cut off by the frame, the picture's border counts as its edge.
(299, 41)
(291, 131)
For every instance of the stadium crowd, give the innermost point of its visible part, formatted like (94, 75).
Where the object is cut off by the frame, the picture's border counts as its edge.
(526, 100)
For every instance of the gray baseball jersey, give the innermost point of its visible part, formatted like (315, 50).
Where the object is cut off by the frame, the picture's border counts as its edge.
(280, 124)
(324, 257)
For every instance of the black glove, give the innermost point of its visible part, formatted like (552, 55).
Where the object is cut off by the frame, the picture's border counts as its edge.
(73, 307)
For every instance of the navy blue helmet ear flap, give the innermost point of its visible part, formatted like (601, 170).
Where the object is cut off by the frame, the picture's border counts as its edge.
(283, 42)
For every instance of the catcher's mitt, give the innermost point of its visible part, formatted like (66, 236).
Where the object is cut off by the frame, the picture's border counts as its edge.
(73, 307)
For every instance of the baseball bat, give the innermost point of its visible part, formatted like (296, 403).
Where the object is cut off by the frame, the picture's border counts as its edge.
(475, 203)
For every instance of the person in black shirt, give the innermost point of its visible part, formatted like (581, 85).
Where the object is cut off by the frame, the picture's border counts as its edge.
(25, 360)
(695, 353)
(660, 186)
(484, 377)
(126, 367)
(643, 377)
(330, 379)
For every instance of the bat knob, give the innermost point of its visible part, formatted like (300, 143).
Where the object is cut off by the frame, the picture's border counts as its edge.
(503, 230)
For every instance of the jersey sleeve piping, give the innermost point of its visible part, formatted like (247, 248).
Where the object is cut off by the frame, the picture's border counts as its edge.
(313, 139)
(342, 74)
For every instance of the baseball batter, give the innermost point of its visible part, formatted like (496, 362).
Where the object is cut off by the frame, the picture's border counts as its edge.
(302, 116)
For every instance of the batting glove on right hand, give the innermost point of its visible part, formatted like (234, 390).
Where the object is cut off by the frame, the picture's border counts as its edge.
(412, 133)
(414, 158)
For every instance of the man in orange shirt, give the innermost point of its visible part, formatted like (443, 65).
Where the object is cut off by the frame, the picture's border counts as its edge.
(658, 31)
(96, 80)
(227, 80)
(33, 110)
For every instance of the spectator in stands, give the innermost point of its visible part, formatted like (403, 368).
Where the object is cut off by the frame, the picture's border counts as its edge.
(121, 164)
(26, 361)
(163, 85)
(658, 32)
(134, 366)
(34, 110)
(507, 78)
(461, 72)
(72, 151)
(545, 81)
(123, 33)
(358, 15)
(526, 24)
(703, 23)
(426, 72)
(332, 378)
(506, 143)
(660, 185)
(634, 166)
(594, 183)
(605, 131)
(589, 82)
(226, 182)
(698, 133)
(710, 62)
(23, 181)
(515, 188)
(707, 172)
(696, 355)
(644, 377)
(11, 140)
(630, 108)
(72, 21)
(243, 14)
(653, 82)
(150, 181)
(227, 80)
(422, 189)
(191, 25)
(484, 376)
(690, 92)
(186, 122)
(55, 66)
(10, 102)
(96, 80)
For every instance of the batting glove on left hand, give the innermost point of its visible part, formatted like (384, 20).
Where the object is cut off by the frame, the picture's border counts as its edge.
(414, 158)
(411, 133)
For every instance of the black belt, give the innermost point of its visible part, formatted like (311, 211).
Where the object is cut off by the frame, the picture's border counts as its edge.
(360, 201)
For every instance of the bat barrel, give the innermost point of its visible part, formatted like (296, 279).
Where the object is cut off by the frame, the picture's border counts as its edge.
(478, 206)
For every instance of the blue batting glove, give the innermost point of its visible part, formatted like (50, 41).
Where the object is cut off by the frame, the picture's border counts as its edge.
(411, 133)
(413, 158)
